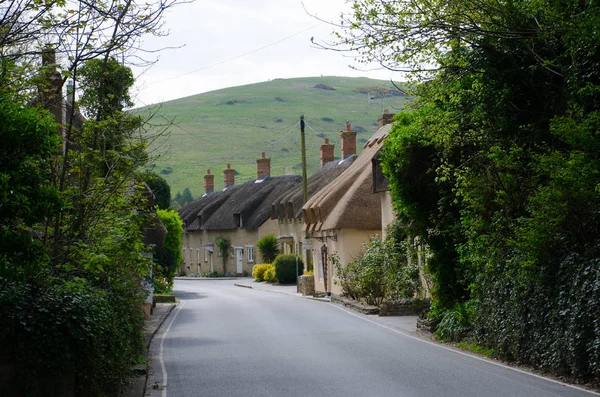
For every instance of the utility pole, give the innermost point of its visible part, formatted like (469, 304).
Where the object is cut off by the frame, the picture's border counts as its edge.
(305, 188)
(304, 179)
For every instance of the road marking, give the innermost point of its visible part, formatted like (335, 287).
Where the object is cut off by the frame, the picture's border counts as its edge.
(467, 354)
(160, 353)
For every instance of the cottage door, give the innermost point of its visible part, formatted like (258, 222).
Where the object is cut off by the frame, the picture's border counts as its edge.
(239, 254)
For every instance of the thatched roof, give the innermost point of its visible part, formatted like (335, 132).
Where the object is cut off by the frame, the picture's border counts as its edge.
(289, 206)
(348, 202)
(245, 206)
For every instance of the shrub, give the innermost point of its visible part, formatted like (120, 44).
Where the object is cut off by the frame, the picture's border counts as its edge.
(285, 268)
(309, 272)
(268, 248)
(258, 271)
(455, 323)
(346, 277)
(381, 273)
(269, 274)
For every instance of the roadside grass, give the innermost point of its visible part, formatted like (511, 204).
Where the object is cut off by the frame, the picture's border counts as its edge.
(235, 125)
(475, 348)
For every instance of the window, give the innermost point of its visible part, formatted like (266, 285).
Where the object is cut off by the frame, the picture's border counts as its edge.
(232, 252)
(198, 253)
(183, 255)
(205, 255)
(250, 250)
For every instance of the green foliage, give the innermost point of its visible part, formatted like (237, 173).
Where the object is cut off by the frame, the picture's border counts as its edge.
(381, 273)
(107, 85)
(268, 248)
(160, 188)
(496, 168)
(285, 268)
(270, 275)
(81, 338)
(170, 258)
(28, 139)
(259, 270)
(224, 246)
(455, 324)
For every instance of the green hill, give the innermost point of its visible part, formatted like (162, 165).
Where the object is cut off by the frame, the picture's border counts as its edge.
(235, 125)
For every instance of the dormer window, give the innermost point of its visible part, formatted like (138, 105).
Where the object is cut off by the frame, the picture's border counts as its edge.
(237, 219)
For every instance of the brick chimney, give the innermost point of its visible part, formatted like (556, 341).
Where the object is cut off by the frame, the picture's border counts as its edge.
(385, 118)
(229, 175)
(209, 182)
(263, 166)
(348, 141)
(326, 152)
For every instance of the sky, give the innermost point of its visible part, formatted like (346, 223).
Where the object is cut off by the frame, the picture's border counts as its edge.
(227, 43)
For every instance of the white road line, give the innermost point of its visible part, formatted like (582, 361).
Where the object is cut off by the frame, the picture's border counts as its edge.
(160, 354)
(467, 354)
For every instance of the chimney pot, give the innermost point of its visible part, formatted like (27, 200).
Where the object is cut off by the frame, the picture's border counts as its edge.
(327, 152)
(209, 182)
(263, 167)
(385, 118)
(348, 142)
(229, 176)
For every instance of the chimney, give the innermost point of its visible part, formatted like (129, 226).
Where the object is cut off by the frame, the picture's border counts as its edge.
(385, 118)
(326, 152)
(348, 141)
(229, 174)
(263, 166)
(52, 87)
(209, 182)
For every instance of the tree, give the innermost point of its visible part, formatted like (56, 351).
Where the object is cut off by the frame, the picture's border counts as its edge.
(497, 166)
(224, 245)
(160, 187)
(170, 258)
(76, 254)
(268, 248)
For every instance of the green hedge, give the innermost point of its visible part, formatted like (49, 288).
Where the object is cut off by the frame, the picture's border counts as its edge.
(285, 268)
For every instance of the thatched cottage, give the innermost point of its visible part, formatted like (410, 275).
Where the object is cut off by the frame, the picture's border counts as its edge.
(347, 212)
(240, 213)
(287, 210)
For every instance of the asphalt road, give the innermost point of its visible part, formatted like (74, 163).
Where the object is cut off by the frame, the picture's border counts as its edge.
(229, 341)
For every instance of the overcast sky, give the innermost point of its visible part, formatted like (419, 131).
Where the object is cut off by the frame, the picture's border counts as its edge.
(235, 42)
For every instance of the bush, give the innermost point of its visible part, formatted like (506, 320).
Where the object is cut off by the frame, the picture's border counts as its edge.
(269, 274)
(381, 273)
(455, 323)
(285, 268)
(81, 340)
(268, 248)
(258, 271)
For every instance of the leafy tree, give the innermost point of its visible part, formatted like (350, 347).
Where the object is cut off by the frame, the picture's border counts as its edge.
(224, 246)
(160, 187)
(169, 259)
(187, 196)
(268, 248)
(497, 168)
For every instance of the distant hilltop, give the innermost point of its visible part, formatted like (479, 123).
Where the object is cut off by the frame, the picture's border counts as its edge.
(236, 125)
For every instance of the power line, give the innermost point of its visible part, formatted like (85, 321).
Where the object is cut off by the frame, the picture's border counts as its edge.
(236, 57)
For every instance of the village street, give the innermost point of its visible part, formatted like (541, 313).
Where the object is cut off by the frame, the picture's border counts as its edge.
(224, 340)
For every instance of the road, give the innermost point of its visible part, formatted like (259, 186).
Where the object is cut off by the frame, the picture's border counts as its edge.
(229, 341)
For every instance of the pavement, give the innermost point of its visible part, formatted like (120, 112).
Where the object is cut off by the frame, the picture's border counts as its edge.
(139, 378)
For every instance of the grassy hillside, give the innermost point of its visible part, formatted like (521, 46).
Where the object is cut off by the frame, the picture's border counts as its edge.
(235, 125)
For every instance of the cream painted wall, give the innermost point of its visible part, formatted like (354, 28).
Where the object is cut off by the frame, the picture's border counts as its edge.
(239, 238)
(387, 211)
(348, 247)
